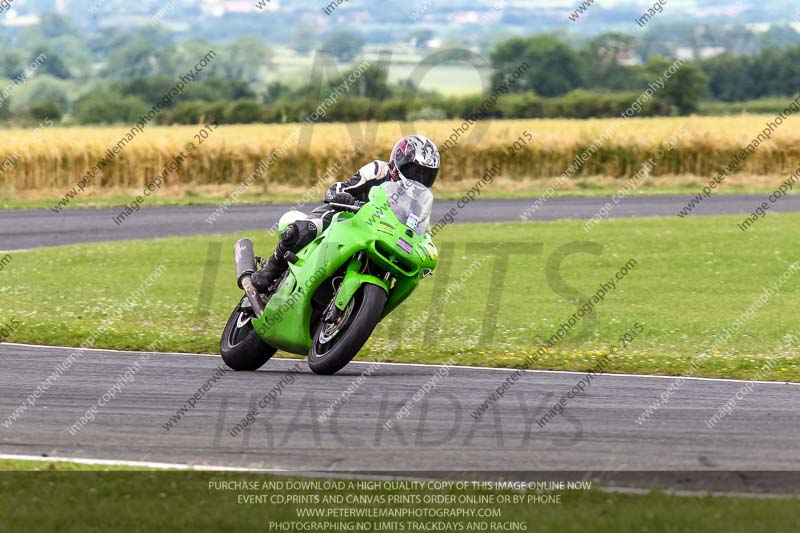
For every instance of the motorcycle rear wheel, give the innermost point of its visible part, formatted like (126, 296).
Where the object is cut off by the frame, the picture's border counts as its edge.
(334, 345)
(241, 347)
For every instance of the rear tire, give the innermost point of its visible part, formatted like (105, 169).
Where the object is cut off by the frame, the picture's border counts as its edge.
(241, 347)
(330, 353)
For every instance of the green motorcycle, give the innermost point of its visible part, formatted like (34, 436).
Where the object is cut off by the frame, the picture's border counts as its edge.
(336, 289)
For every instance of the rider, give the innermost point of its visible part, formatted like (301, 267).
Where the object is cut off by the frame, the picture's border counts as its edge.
(414, 157)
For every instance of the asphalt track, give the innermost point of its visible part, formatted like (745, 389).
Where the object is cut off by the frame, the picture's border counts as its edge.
(752, 449)
(24, 229)
(597, 432)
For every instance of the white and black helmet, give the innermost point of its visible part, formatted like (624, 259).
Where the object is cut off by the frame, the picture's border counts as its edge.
(415, 157)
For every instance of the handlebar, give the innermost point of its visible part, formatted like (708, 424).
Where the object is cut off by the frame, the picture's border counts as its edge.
(347, 207)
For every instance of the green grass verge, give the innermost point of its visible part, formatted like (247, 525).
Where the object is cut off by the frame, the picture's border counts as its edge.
(194, 501)
(694, 278)
(16, 465)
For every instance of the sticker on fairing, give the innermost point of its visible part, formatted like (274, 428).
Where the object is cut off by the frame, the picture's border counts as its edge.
(405, 245)
(413, 221)
(431, 250)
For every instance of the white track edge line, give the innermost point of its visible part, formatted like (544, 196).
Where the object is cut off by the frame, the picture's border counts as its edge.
(464, 367)
(119, 462)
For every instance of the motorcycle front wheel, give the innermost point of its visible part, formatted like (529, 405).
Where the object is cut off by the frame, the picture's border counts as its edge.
(240, 346)
(335, 345)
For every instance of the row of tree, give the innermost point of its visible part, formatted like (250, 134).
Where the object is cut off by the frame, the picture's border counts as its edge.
(601, 78)
(604, 64)
(579, 104)
(372, 98)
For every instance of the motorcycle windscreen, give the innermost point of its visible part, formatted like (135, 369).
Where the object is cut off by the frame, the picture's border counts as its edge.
(411, 202)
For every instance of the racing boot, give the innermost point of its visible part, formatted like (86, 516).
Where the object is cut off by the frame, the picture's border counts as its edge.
(293, 239)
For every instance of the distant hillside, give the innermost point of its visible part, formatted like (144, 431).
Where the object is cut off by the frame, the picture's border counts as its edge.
(390, 21)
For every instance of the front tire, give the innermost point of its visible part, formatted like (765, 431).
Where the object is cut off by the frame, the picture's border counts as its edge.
(335, 345)
(241, 347)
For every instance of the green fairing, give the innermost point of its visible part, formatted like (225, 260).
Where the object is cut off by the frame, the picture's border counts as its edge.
(375, 231)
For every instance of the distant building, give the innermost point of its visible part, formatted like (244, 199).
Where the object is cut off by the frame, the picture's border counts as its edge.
(628, 58)
(466, 17)
(219, 8)
(708, 52)
(251, 7)
(14, 20)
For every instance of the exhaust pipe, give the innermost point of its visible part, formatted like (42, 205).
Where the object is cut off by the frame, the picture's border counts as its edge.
(245, 267)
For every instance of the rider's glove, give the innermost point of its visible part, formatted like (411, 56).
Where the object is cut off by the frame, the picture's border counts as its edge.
(343, 198)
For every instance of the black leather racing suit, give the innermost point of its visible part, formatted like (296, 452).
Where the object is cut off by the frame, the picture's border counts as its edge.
(301, 232)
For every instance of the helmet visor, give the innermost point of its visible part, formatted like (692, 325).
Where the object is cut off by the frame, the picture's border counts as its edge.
(415, 171)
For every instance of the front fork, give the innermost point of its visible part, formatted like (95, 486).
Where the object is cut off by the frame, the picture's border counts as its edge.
(353, 280)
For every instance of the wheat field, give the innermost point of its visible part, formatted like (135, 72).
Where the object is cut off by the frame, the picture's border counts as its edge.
(56, 157)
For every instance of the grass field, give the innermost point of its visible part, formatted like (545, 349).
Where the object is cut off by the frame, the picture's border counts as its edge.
(450, 79)
(693, 279)
(191, 501)
(45, 164)
(501, 187)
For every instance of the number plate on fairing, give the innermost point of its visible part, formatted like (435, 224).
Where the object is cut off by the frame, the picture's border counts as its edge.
(405, 246)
